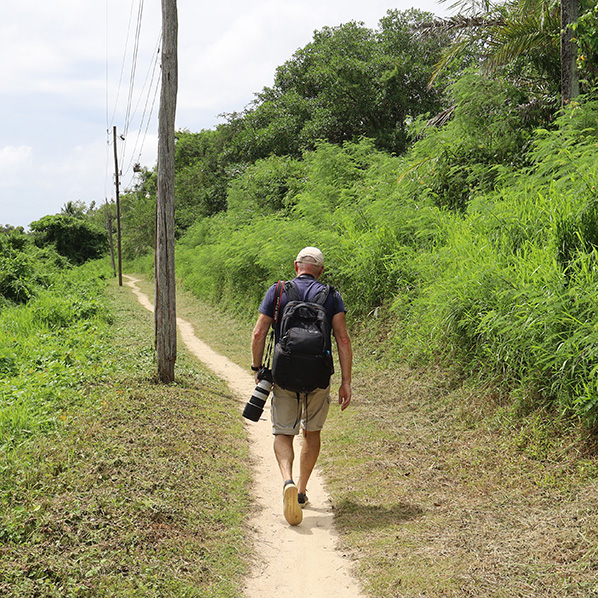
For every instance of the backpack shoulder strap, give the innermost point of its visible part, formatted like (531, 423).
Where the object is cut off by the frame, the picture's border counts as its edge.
(291, 291)
(275, 318)
(322, 295)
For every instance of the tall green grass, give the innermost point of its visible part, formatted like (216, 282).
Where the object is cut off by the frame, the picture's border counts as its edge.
(45, 345)
(514, 289)
(504, 289)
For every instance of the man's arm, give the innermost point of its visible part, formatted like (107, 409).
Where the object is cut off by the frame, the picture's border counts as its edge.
(258, 342)
(345, 356)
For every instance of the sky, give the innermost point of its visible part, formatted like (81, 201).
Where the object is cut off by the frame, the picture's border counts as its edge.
(71, 70)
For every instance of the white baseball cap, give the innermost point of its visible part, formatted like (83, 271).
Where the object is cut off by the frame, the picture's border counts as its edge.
(310, 255)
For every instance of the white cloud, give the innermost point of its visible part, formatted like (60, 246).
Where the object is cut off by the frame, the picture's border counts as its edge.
(14, 164)
(10, 156)
(60, 57)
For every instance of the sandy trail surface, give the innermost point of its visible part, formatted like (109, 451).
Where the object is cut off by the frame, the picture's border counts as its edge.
(301, 561)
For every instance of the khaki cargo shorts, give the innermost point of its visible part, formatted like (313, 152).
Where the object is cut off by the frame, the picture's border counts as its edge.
(289, 414)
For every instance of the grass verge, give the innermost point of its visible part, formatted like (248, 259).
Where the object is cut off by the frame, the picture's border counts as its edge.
(441, 491)
(444, 490)
(139, 489)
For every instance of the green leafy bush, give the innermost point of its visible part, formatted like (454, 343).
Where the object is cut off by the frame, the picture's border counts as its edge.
(20, 270)
(74, 238)
(42, 345)
(265, 187)
(487, 137)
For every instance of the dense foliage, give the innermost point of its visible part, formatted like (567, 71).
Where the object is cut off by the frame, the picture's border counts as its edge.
(460, 218)
(506, 286)
(73, 237)
(349, 82)
(48, 317)
(42, 342)
(24, 268)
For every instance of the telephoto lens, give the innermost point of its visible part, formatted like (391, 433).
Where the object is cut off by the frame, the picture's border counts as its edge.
(255, 406)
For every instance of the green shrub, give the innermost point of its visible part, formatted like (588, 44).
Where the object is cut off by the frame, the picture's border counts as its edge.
(43, 346)
(265, 187)
(74, 238)
(487, 137)
(20, 271)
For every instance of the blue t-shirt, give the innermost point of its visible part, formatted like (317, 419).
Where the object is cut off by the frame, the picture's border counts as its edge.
(308, 288)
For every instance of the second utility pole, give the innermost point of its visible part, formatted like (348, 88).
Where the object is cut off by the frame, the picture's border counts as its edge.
(118, 238)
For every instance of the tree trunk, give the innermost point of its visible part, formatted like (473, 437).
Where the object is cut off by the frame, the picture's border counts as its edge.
(569, 74)
(165, 301)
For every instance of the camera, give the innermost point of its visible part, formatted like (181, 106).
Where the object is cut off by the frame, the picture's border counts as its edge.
(255, 406)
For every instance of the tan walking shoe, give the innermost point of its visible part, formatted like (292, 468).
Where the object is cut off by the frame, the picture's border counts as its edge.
(292, 510)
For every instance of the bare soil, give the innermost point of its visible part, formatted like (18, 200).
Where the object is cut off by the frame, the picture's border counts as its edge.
(302, 561)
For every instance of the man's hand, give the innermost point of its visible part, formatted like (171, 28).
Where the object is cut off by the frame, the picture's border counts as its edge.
(258, 341)
(344, 395)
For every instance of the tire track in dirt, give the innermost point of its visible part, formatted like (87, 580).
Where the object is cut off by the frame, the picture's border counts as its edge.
(301, 561)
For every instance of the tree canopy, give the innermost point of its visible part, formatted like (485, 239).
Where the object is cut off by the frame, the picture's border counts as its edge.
(348, 82)
(74, 238)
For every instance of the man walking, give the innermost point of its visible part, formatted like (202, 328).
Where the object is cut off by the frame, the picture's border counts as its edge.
(292, 410)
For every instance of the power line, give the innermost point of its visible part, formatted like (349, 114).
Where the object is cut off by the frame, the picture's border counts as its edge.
(146, 97)
(150, 93)
(133, 73)
(110, 121)
(122, 67)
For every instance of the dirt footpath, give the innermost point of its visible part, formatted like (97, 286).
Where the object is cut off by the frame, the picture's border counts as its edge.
(301, 561)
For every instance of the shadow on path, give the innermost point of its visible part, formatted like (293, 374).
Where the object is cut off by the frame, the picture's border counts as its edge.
(352, 515)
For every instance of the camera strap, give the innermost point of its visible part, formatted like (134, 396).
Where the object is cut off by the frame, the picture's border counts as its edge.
(276, 315)
(277, 298)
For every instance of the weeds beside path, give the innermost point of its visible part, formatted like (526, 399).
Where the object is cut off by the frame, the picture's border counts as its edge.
(439, 490)
(140, 489)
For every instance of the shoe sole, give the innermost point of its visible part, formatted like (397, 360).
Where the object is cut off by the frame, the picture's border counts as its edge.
(292, 510)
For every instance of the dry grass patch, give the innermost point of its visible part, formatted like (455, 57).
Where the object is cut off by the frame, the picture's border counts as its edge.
(435, 498)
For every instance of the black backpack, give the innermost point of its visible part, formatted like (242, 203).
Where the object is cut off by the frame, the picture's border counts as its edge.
(302, 360)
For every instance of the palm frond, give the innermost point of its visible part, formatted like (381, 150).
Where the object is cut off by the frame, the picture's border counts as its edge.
(517, 37)
(446, 58)
(460, 23)
(442, 117)
(471, 7)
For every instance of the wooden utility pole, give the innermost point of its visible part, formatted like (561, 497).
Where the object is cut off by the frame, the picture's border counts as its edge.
(109, 230)
(165, 300)
(569, 74)
(118, 237)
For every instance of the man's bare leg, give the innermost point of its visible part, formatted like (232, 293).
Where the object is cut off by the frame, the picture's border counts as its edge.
(309, 455)
(283, 449)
